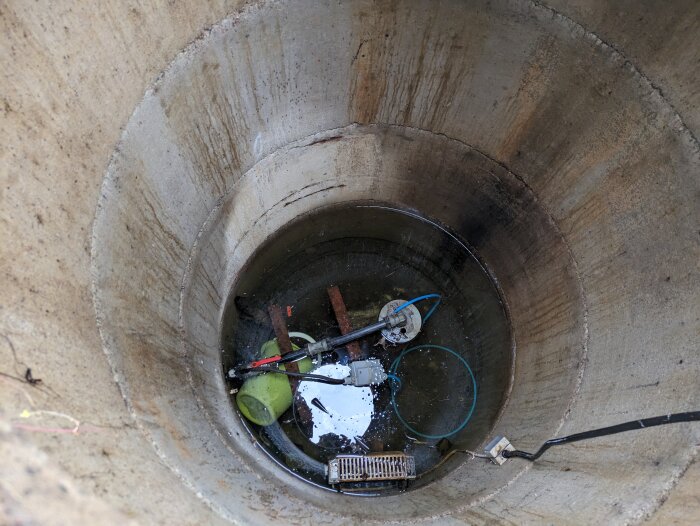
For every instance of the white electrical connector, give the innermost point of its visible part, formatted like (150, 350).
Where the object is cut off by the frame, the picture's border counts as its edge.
(495, 449)
(366, 372)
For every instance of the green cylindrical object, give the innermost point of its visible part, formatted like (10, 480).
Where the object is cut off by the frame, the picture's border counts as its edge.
(263, 398)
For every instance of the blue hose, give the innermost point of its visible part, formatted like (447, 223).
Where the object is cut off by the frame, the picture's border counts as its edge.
(394, 378)
(393, 375)
(421, 298)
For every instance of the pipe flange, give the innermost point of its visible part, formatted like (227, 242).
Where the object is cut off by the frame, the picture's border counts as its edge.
(406, 332)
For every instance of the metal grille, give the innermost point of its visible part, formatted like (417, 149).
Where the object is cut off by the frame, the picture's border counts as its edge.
(372, 467)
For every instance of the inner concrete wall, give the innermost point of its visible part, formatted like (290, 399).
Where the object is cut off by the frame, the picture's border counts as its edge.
(592, 108)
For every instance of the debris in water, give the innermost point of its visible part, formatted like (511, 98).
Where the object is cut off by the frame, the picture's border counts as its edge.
(318, 404)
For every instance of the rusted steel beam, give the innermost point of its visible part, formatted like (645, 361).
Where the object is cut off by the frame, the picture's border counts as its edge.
(279, 325)
(341, 314)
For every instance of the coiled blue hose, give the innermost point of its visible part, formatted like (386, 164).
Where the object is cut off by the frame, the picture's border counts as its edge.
(392, 374)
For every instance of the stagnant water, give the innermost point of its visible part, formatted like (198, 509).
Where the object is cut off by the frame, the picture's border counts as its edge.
(375, 254)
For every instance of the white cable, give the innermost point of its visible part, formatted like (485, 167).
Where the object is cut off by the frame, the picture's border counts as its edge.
(303, 336)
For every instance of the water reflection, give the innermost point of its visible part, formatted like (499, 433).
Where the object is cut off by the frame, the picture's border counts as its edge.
(334, 416)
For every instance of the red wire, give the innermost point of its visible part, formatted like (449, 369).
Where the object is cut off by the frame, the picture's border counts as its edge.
(265, 361)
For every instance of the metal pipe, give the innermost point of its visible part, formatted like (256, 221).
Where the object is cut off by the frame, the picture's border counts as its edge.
(328, 344)
(387, 323)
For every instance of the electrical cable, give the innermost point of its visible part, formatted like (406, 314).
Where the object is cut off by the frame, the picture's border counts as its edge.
(265, 361)
(468, 452)
(287, 357)
(674, 418)
(341, 340)
(293, 356)
(393, 372)
(421, 298)
(330, 344)
(305, 376)
(448, 456)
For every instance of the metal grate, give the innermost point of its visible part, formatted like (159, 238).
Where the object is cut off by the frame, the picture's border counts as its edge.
(372, 467)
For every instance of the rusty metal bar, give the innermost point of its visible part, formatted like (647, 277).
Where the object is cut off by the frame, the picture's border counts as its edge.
(341, 314)
(279, 325)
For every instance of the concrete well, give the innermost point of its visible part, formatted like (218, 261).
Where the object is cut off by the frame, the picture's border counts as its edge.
(150, 151)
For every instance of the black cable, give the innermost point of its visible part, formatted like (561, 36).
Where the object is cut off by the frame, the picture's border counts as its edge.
(690, 416)
(305, 376)
(293, 356)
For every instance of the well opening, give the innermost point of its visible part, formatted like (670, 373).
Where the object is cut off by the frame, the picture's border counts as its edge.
(376, 254)
(542, 150)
